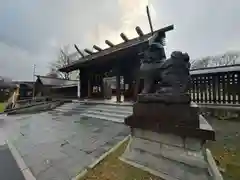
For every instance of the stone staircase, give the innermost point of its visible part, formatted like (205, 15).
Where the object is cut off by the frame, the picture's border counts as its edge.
(111, 112)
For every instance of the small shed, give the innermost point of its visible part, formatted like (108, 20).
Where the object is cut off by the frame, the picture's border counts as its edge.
(25, 89)
(57, 87)
(6, 87)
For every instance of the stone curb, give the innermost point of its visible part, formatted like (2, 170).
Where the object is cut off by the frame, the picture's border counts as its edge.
(41, 107)
(213, 167)
(24, 107)
(100, 159)
(20, 162)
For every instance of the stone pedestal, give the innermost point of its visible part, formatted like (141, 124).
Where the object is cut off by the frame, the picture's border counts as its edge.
(166, 155)
(161, 114)
(168, 141)
(179, 119)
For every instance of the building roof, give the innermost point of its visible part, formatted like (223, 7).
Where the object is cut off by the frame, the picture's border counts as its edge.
(213, 70)
(57, 82)
(6, 82)
(25, 84)
(225, 59)
(122, 47)
(7, 85)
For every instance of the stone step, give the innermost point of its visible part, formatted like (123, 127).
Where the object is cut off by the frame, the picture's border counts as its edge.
(115, 107)
(107, 108)
(92, 108)
(107, 114)
(120, 111)
(65, 106)
(114, 119)
(70, 107)
(106, 105)
(114, 113)
(71, 104)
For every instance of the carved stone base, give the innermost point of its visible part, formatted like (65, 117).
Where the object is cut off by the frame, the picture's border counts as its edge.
(204, 131)
(165, 114)
(180, 119)
(168, 156)
(164, 98)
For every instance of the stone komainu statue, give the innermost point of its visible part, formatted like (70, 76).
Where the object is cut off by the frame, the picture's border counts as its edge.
(174, 74)
(164, 77)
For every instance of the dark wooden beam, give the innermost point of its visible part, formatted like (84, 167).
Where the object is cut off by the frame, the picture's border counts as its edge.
(124, 37)
(84, 83)
(109, 43)
(78, 50)
(149, 20)
(118, 87)
(89, 88)
(88, 51)
(139, 31)
(97, 48)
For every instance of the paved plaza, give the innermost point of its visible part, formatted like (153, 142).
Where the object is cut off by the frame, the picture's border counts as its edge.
(59, 145)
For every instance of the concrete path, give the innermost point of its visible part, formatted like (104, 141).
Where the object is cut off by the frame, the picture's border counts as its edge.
(9, 169)
(60, 145)
(8, 125)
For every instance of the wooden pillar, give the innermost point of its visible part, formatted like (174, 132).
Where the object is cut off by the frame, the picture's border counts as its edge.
(136, 78)
(124, 87)
(84, 83)
(102, 86)
(89, 88)
(127, 80)
(79, 85)
(136, 88)
(118, 85)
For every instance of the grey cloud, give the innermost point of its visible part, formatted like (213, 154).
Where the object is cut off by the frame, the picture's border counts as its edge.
(17, 63)
(203, 27)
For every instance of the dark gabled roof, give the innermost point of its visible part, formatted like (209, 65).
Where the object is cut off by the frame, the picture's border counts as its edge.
(57, 82)
(25, 84)
(219, 69)
(119, 47)
(6, 82)
(7, 85)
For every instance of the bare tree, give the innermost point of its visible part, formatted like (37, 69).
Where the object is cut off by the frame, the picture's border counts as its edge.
(52, 74)
(65, 58)
(225, 59)
(62, 60)
(201, 63)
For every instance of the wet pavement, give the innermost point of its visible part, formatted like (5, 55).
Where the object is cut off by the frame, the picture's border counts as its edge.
(60, 145)
(8, 125)
(9, 169)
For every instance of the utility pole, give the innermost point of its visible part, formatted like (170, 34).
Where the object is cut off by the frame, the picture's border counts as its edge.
(34, 71)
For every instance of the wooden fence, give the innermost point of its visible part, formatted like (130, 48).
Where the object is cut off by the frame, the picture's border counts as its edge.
(220, 85)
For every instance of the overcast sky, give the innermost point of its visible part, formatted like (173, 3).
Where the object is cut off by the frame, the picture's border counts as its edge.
(32, 31)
